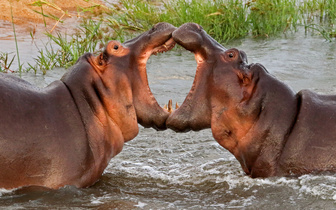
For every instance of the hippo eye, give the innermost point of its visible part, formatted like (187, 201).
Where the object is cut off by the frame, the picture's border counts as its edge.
(116, 47)
(231, 55)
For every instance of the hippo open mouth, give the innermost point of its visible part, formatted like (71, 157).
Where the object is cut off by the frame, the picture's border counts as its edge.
(192, 115)
(157, 40)
(196, 111)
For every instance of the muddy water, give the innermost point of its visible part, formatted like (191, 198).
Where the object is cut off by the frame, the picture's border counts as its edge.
(165, 170)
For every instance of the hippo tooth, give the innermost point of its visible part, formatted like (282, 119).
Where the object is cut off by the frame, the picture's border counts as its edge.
(176, 106)
(170, 106)
(165, 46)
(165, 107)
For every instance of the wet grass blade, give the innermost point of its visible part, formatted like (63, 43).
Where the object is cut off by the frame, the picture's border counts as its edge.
(16, 43)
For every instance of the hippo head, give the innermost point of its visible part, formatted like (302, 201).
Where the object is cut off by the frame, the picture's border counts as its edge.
(222, 83)
(115, 84)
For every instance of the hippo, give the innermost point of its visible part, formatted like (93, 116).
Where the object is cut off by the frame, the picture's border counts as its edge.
(67, 132)
(270, 129)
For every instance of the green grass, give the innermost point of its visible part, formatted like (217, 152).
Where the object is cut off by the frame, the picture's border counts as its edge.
(224, 20)
(320, 16)
(6, 62)
(64, 50)
(16, 43)
(269, 17)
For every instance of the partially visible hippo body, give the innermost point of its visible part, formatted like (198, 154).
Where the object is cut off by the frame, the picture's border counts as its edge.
(66, 133)
(269, 129)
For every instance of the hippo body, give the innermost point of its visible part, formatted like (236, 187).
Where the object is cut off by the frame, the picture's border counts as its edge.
(268, 128)
(66, 133)
(36, 139)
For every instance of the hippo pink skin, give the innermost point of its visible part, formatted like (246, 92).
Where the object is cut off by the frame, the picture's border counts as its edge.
(66, 133)
(269, 129)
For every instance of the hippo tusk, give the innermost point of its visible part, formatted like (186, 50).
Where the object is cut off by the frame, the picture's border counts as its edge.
(170, 106)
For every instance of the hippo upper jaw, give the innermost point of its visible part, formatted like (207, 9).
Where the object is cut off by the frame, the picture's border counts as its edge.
(193, 38)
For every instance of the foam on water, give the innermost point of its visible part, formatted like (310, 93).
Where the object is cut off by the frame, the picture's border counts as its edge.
(4, 192)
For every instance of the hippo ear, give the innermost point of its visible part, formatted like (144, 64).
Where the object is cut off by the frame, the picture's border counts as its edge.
(99, 62)
(245, 78)
(247, 84)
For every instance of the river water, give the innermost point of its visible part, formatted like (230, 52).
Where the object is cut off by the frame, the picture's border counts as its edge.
(168, 170)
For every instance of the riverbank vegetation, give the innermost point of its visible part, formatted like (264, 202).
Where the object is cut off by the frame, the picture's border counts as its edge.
(224, 20)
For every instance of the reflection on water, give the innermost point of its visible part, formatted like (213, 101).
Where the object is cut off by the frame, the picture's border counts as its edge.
(165, 170)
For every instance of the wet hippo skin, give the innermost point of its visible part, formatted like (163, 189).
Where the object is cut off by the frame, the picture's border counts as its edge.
(271, 130)
(66, 133)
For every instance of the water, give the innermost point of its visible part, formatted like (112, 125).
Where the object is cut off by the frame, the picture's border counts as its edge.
(166, 170)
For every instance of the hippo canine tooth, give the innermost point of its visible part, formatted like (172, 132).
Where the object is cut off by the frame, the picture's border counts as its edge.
(170, 106)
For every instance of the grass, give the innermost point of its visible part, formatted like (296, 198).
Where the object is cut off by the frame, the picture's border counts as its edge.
(224, 20)
(16, 44)
(68, 47)
(5, 62)
(269, 17)
(40, 4)
(320, 16)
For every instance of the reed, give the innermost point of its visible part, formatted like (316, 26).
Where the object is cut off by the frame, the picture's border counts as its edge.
(40, 4)
(64, 50)
(16, 43)
(231, 19)
(224, 20)
(46, 60)
(269, 17)
(6, 62)
(320, 16)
